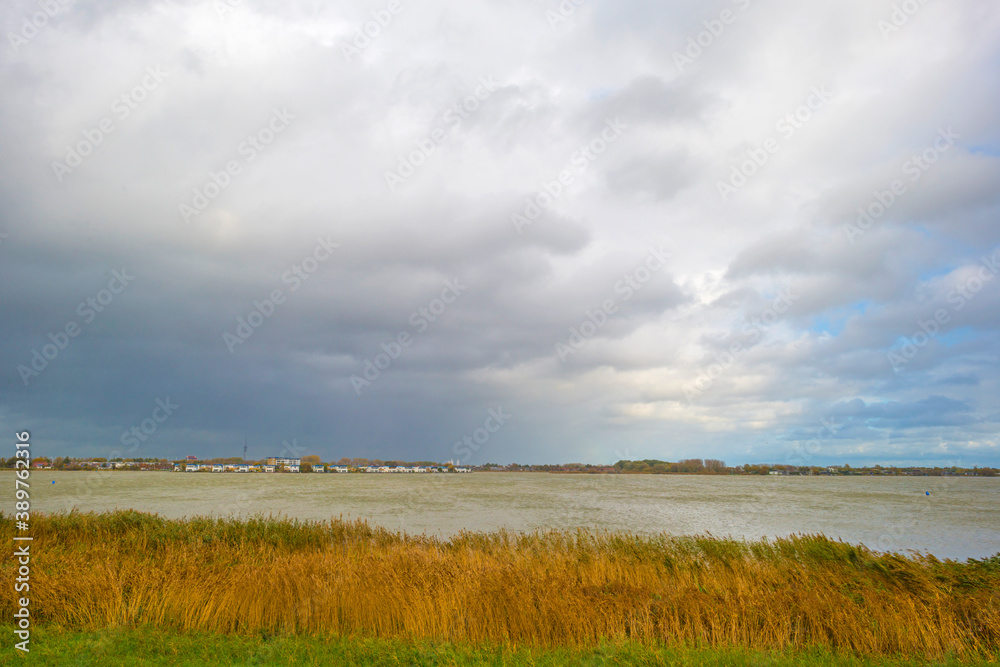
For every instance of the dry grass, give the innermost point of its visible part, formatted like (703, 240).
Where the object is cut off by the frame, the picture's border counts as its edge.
(127, 569)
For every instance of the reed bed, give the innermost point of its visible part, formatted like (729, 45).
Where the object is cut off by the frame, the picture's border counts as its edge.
(274, 576)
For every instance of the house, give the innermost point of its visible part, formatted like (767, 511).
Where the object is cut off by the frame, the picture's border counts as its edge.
(290, 464)
(218, 467)
(242, 467)
(339, 469)
(177, 467)
(319, 468)
(269, 468)
(193, 467)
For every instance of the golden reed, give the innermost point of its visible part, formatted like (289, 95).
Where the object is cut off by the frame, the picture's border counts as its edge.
(93, 571)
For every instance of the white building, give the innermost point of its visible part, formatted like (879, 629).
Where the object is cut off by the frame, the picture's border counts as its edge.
(290, 464)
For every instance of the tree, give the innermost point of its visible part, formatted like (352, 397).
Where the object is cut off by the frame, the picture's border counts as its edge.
(715, 465)
(691, 465)
(312, 459)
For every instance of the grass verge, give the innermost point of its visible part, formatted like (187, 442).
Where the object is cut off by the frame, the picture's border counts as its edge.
(152, 647)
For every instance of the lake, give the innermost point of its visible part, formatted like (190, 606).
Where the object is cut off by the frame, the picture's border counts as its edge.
(959, 519)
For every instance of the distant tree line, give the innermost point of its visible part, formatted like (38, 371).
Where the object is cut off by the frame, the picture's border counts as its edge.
(700, 466)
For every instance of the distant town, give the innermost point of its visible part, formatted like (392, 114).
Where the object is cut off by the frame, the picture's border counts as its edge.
(313, 464)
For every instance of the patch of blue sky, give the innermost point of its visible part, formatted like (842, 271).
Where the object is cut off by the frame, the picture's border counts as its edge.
(936, 272)
(993, 150)
(834, 320)
(958, 336)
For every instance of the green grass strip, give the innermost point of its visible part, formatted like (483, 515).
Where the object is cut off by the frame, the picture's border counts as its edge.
(51, 645)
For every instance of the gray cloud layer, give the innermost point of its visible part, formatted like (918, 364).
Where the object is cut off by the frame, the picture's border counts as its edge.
(216, 151)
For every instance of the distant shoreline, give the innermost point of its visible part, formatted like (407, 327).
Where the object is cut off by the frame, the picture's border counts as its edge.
(982, 473)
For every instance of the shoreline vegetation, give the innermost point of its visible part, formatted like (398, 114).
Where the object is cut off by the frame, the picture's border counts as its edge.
(572, 591)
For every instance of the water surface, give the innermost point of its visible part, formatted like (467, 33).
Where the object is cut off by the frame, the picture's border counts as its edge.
(959, 519)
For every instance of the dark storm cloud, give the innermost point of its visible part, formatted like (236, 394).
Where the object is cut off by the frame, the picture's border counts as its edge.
(409, 162)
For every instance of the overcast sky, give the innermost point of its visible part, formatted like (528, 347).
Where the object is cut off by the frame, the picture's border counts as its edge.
(752, 230)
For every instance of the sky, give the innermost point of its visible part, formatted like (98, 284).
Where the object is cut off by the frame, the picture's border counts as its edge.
(526, 231)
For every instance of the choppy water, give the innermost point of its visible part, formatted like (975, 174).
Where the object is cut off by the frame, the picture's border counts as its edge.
(960, 519)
